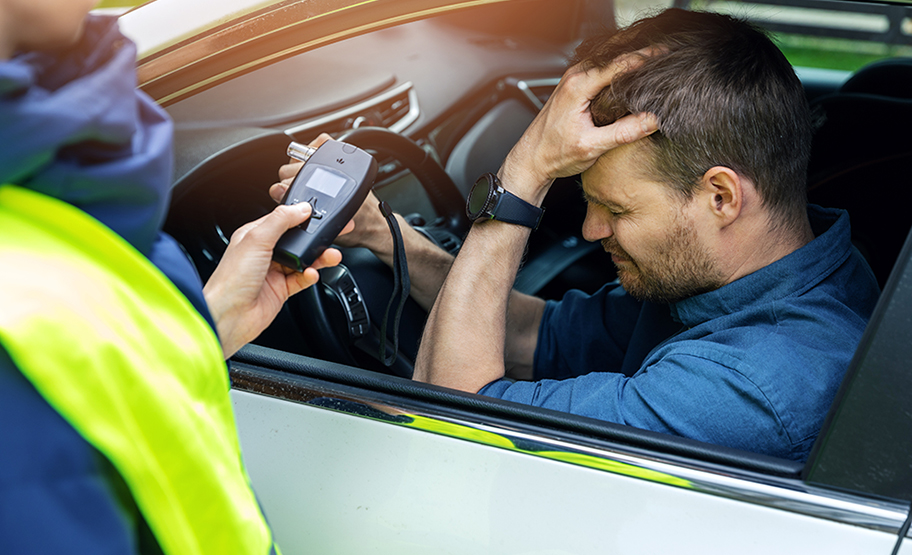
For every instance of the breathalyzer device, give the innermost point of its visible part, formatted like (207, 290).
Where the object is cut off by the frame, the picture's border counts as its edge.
(334, 180)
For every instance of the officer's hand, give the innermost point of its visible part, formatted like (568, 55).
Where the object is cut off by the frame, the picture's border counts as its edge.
(247, 289)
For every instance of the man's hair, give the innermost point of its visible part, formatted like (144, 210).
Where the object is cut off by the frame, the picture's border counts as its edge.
(724, 95)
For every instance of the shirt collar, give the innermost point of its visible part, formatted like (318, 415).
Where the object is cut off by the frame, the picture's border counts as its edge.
(793, 274)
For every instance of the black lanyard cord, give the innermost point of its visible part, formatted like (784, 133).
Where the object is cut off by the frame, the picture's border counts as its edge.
(402, 284)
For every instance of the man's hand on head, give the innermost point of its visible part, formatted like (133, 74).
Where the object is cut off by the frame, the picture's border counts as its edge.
(563, 140)
(468, 344)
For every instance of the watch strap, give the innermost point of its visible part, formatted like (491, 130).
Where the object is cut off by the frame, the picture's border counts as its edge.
(514, 210)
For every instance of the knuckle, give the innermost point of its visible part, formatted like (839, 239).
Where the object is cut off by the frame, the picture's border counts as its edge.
(625, 134)
(239, 234)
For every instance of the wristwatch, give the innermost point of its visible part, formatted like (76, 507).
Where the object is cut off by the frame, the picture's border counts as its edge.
(488, 199)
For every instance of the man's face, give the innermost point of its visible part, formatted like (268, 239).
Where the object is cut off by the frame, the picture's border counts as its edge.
(649, 231)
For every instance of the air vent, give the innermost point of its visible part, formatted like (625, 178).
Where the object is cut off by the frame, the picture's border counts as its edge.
(395, 109)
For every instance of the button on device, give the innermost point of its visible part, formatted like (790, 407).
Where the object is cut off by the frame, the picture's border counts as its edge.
(348, 149)
(316, 213)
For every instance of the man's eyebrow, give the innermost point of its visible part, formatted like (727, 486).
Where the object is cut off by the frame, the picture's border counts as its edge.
(589, 198)
(599, 202)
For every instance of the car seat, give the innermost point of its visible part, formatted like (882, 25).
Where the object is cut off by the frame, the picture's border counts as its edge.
(861, 158)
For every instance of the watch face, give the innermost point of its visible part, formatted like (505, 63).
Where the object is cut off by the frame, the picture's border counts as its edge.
(478, 197)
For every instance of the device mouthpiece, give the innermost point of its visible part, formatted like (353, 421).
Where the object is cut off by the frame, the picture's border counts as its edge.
(300, 152)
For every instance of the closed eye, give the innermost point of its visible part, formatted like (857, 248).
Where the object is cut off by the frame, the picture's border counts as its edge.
(609, 207)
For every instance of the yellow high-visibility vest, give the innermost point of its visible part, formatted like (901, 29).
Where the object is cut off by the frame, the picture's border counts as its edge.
(123, 356)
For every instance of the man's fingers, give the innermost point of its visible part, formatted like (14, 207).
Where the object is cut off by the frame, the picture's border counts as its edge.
(628, 129)
(298, 281)
(622, 64)
(277, 191)
(289, 171)
(593, 80)
(330, 257)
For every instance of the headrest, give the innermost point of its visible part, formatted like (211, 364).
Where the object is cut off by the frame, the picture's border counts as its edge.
(890, 77)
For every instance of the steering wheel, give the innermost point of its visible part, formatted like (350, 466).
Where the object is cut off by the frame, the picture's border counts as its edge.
(342, 314)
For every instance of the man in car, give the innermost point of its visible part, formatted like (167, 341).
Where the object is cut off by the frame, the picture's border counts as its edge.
(737, 307)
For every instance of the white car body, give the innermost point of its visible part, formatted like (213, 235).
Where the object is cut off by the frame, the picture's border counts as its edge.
(334, 483)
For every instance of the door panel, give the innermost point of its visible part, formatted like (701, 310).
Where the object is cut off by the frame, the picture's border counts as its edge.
(332, 482)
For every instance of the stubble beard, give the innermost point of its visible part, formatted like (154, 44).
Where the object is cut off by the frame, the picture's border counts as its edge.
(680, 268)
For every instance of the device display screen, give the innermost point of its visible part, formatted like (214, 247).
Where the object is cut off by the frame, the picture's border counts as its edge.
(326, 182)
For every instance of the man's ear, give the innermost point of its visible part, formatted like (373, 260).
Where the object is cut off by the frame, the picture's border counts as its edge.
(723, 190)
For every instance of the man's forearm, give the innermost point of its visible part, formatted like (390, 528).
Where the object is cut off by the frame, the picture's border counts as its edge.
(464, 341)
(428, 264)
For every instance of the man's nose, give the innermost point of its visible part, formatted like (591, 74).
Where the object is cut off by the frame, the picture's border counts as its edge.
(596, 227)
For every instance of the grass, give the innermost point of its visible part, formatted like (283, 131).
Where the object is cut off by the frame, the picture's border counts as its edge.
(831, 53)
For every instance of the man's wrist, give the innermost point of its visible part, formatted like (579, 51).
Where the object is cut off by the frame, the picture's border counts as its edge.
(523, 182)
(379, 240)
(488, 199)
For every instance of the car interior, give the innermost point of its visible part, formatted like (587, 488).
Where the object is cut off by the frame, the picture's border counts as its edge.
(439, 102)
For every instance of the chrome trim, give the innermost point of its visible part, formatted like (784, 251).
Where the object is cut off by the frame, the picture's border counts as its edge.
(221, 233)
(730, 483)
(398, 127)
(782, 494)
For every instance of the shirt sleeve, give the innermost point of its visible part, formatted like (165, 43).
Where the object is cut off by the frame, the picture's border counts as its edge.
(583, 333)
(693, 394)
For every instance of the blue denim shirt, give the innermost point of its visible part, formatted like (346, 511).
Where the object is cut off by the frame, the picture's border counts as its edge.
(753, 365)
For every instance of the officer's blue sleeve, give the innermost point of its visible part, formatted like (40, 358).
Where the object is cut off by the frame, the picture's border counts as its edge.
(168, 256)
(56, 492)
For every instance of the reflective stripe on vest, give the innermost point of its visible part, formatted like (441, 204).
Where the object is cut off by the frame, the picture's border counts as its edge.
(120, 353)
